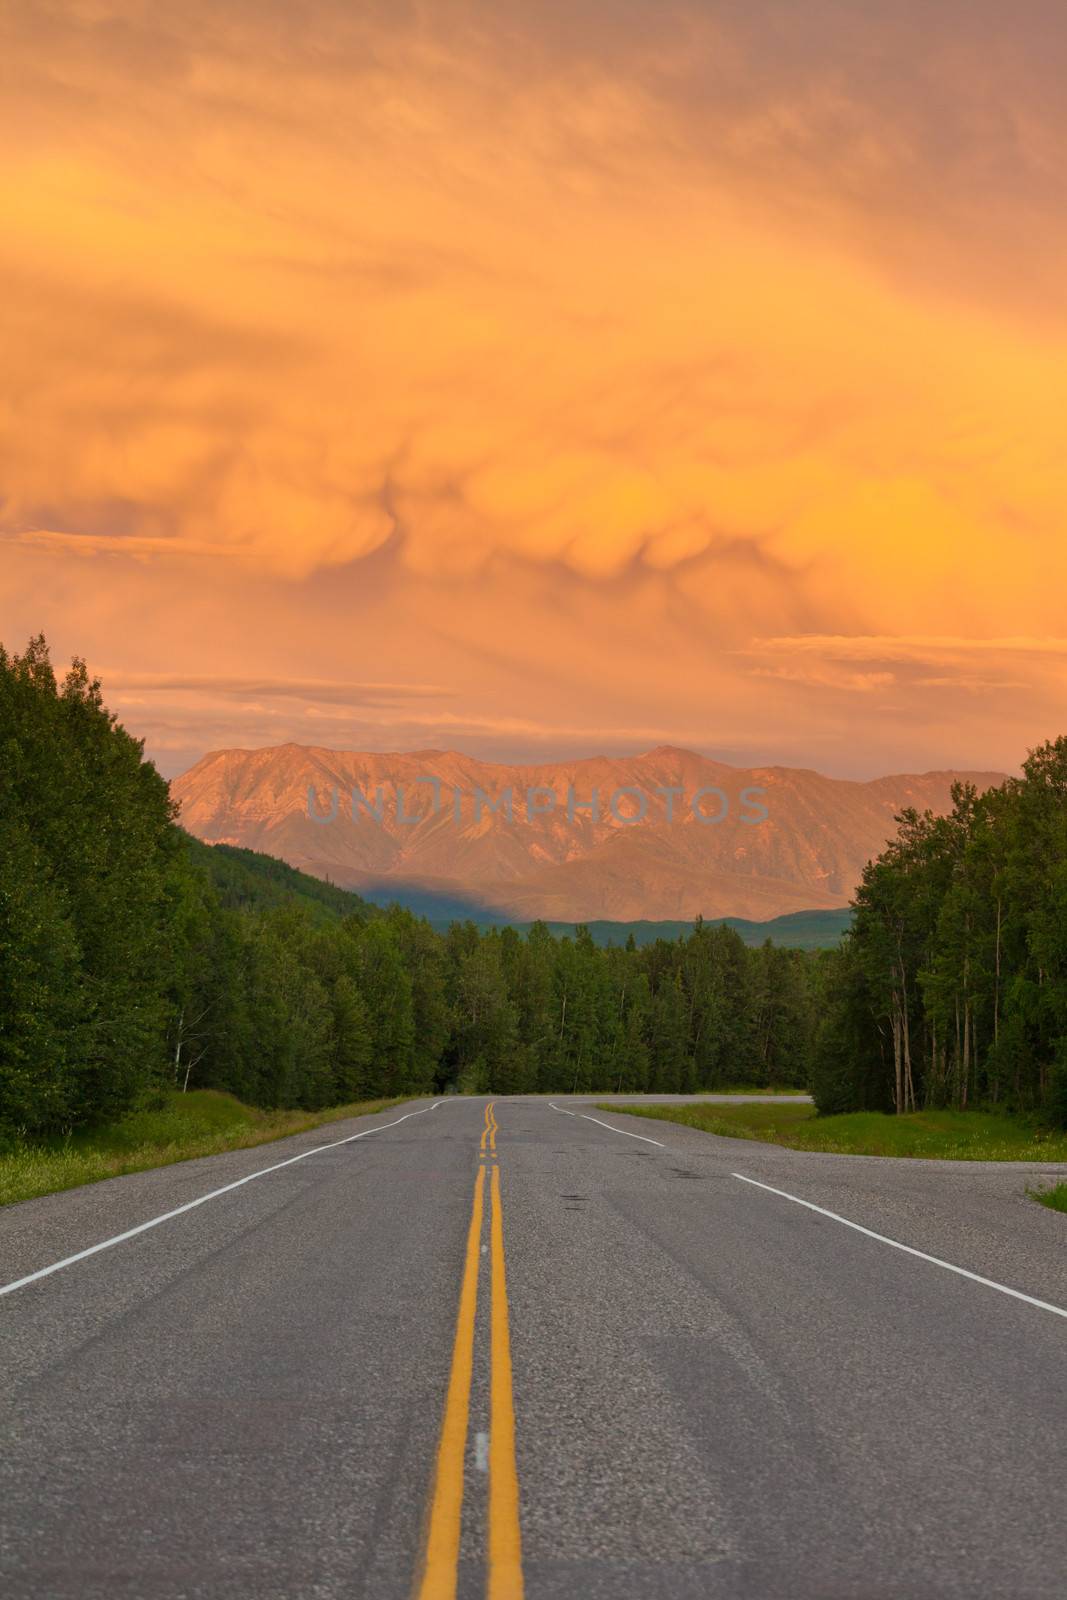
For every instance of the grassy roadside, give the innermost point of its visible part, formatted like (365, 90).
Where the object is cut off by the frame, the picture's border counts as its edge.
(201, 1123)
(1055, 1199)
(944, 1135)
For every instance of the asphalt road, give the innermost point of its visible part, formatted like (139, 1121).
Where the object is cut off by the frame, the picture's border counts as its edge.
(697, 1386)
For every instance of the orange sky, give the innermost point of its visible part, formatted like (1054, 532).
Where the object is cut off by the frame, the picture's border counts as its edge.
(535, 379)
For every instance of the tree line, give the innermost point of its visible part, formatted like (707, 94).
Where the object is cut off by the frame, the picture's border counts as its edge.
(133, 959)
(951, 988)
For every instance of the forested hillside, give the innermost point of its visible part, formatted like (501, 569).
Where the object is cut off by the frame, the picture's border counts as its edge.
(951, 989)
(248, 881)
(133, 959)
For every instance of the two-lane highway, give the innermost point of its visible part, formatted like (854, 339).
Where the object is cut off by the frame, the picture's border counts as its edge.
(522, 1346)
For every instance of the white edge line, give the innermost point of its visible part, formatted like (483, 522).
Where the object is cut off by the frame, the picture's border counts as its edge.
(624, 1131)
(975, 1277)
(190, 1205)
(566, 1113)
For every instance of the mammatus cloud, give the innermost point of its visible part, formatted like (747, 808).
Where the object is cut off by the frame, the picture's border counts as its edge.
(575, 348)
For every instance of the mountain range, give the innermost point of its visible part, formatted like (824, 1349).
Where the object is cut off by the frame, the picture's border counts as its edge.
(673, 834)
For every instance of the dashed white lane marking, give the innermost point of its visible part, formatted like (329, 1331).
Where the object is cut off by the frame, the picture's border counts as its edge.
(962, 1272)
(190, 1205)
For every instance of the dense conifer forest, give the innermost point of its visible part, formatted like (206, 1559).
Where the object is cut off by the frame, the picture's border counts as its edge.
(951, 989)
(134, 959)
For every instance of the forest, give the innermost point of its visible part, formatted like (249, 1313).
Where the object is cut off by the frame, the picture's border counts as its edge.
(134, 959)
(951, 988)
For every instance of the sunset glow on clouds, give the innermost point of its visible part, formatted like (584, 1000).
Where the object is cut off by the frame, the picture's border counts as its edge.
(532, 378)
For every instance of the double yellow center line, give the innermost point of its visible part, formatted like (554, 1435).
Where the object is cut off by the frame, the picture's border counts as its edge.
(504, 1554)
(489, 1131)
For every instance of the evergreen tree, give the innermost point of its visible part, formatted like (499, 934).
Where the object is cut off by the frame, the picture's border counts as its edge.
(41, 998)
(387, 990)
(95, 820)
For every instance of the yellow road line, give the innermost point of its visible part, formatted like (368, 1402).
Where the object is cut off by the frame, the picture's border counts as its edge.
(505, 1541)
(504, 1579)
(446, 1509)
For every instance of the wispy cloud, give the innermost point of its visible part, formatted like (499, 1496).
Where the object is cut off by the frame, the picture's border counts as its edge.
(828, 678)
(306, 689)
(908, 647)
(135, 546)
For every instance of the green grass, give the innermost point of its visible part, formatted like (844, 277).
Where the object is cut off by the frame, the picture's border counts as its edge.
(201, 1123)
(1055, 1199)
(945, 1135)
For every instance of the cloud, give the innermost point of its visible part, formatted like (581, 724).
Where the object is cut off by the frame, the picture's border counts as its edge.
(127, 545)
(307, 689)
(828, 678)
(909, 647)
(486, 282)
(691, 369)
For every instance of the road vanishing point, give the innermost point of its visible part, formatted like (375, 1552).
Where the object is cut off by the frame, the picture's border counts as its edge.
(529, 1348)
